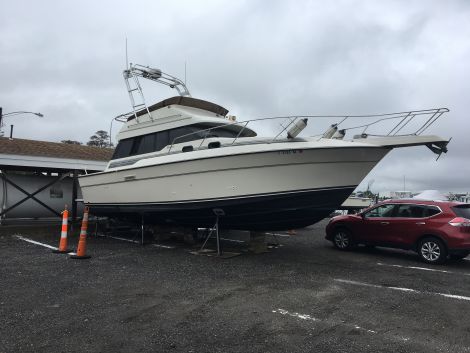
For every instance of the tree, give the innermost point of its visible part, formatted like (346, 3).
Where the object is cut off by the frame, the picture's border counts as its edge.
(100, 139)
(71, 142)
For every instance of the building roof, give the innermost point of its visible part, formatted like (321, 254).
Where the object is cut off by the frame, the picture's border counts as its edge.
(44, 155)
(53, 149)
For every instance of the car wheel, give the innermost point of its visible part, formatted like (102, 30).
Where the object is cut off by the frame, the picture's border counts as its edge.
(459, 255)
(432, 250)
(342, 239)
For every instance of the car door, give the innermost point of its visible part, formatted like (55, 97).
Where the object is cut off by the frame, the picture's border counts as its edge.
(375, 226)
(408, 224)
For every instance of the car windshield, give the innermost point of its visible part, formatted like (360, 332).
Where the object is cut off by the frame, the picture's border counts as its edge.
(462, 210)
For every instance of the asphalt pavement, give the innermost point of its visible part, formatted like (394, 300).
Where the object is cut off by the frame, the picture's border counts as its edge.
(303, 296)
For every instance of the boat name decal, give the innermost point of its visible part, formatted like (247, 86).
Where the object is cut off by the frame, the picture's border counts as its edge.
(290, 152)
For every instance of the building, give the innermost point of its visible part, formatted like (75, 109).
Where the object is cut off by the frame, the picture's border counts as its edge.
(395, 195)
(39, 178)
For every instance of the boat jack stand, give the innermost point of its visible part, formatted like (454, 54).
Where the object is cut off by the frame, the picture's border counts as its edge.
(142, 230)
(218, 213)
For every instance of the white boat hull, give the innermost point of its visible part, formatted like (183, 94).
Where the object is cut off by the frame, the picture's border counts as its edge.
(277, 189)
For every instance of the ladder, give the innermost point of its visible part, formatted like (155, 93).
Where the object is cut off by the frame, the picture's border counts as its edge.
(134, 89)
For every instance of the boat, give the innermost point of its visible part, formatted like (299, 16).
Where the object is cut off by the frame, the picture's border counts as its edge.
(186, 161)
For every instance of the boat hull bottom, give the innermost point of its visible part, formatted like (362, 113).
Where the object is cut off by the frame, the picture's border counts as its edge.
(261, 213)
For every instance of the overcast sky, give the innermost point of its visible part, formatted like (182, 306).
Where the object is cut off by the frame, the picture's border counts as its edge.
(256, 58)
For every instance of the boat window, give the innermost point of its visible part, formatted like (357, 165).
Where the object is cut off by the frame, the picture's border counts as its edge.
(215, 144)
(185, 130)
(159, 140)
(224, 131)
(162, 140)
(147, 144)
(135, 145)
(123, 149)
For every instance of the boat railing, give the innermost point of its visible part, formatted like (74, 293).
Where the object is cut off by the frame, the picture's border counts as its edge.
(404, 119)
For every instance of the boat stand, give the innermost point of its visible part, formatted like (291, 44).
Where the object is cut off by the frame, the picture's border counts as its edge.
(218, 213)
(142, 230)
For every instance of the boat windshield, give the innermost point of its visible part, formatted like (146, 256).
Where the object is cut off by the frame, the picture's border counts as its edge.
(158, 140)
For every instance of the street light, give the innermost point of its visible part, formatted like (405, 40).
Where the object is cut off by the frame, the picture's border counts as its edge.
(16, 113)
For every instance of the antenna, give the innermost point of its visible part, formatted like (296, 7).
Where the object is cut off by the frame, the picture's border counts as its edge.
(185, 72)
(127, 60)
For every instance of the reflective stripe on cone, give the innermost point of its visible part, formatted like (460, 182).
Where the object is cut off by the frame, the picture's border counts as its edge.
(63, 234)
(81, 249)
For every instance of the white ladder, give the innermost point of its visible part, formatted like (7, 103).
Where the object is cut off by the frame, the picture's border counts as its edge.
(133, 87)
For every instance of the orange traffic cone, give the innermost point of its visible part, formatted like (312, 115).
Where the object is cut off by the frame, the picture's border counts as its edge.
(63, 235)
(81, 249)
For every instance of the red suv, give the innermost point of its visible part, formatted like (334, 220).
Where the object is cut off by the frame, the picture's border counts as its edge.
(436, 230)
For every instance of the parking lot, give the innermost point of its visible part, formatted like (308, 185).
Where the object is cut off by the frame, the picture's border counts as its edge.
(303, 296)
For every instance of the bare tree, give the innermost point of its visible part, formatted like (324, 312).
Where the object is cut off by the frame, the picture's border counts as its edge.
(100, 139)
(71, 142)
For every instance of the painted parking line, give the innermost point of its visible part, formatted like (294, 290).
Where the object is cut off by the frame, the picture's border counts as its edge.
(39, 243)
(119, 238)
(402, 289)
(334, 323)
(279, 234)
(138, 242)
(163, 246)
(424, 269)
(307, 317)
(35, 242)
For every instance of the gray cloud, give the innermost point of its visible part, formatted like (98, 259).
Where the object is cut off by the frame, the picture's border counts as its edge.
(257, 58)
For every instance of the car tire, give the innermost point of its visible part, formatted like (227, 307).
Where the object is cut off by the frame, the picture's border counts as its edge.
(432, 250)
(342, 239)
(459, 255)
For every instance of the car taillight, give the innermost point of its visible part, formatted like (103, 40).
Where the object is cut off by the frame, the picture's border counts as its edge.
(460, 222)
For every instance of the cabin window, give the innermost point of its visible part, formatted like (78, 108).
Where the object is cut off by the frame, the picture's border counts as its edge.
(123, 149)
(162, 140)
(159, 140)
(181, 131)
(147, 144)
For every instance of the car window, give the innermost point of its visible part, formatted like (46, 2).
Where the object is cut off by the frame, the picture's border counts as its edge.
(462, 210)
(381, 211)
(431, 211)
(411, 211)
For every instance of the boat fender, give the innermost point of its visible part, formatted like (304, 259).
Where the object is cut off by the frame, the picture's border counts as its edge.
(331, 131)
(339, 135)
(296, 128)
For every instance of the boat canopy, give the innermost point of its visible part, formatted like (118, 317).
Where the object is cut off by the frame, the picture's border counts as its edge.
(186, 101)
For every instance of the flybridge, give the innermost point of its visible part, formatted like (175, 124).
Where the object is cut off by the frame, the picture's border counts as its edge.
(131, 77)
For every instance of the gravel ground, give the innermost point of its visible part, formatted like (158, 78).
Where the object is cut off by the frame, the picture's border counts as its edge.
(304, 296)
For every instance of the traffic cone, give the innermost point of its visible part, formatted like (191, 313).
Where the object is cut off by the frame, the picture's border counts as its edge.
(63, 235)
(81, 249)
